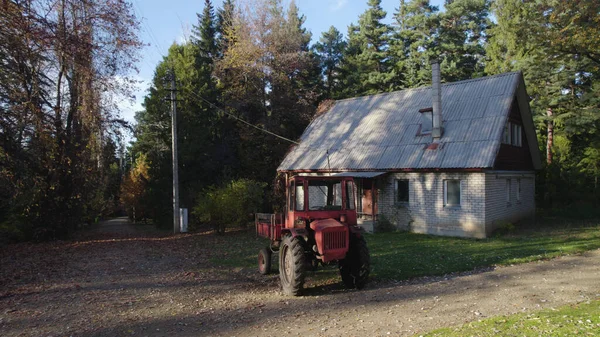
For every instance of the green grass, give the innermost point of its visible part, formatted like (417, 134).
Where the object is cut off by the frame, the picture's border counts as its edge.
(237, 249)
(575, 320)
(400, 255)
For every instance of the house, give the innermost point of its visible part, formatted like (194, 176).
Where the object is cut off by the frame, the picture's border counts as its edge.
(456, 159)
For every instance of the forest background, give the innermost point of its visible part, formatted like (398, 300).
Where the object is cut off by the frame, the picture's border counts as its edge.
(63, 63)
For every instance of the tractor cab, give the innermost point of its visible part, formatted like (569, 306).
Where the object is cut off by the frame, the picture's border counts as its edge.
(317, 197)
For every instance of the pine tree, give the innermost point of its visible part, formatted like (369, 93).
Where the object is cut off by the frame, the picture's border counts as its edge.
(561, 78)
(331, 48)
(374, 43)
(351, 69)
(204, 34)
(224, 27)
(461, 39)
(416, 24)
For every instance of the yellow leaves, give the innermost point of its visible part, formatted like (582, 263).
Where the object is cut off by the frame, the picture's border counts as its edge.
(134, 183)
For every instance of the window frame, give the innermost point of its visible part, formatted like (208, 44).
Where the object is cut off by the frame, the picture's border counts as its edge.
(351, 195)
(296, 209)
(396, 189)
(292, 196)
(426, 123)
(507, 188)
(460, 193)
(516, 135)
(518, 190)
(507, 134)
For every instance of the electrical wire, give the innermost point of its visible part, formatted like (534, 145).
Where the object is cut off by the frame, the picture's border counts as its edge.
(243, 121)
(157, 45)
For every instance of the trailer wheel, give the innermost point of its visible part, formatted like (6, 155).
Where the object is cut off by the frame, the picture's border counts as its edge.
(264, 261)
(291, 265)
(355, 268)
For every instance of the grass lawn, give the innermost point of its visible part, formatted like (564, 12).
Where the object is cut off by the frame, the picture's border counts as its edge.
(575, 320)
(401, 255)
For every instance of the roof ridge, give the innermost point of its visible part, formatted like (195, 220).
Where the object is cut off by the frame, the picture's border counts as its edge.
(429, 86)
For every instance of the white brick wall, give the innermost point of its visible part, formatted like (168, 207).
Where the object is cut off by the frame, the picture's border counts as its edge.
(426, 212)
(483, 206)
(502, 207)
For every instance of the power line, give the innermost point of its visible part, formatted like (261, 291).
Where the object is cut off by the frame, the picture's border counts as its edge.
(152, 36)
(243, 121)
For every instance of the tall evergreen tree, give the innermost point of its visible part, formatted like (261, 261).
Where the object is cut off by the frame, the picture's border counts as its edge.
(560, 80)
(351, 68)
(330, 48)
(224, 26)
(415, 34)
(205, 33)
(462, 37)
(374, 43)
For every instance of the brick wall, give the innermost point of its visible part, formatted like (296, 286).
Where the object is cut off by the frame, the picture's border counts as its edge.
(426, 213)
(483, 208)
(502, 205)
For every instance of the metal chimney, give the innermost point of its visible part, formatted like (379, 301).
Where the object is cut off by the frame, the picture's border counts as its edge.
(436, 96)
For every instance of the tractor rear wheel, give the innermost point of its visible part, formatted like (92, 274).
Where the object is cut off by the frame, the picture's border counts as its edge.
(355, 268)
(264, 261)
(291, 265)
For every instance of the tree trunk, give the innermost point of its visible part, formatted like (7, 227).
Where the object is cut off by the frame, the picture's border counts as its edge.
(550, 141)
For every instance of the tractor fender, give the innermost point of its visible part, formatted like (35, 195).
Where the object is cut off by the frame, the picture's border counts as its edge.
(355, 231)
(294, 232)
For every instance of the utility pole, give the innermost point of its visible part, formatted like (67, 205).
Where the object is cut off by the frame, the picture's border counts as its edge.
(175, 164)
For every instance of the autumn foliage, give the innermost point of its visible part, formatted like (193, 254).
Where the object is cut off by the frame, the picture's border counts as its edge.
(62, 63)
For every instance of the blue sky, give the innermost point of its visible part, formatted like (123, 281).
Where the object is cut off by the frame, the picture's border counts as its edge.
(164, 22)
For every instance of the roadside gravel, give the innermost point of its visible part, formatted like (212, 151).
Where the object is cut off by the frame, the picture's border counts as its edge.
(120, 280)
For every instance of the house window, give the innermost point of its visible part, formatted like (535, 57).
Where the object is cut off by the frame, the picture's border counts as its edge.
(402, 190)
(507, 191)
(426, 122)
(452, 192)
(516, 135)
(518, 190)
(506, 134)
(512, 134)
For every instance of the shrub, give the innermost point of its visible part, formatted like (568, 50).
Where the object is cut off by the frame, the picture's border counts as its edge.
(230, 205)
(504, 228)
(384, 225)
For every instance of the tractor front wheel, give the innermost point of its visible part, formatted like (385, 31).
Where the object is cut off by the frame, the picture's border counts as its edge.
(291, 265)
(355, 268)
(264, 261)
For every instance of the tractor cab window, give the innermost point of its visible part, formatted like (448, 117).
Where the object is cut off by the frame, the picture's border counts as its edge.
(324, 195)
(350, 190)
(300, 197)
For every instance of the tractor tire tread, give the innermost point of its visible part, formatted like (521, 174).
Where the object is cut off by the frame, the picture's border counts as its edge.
(296, 282)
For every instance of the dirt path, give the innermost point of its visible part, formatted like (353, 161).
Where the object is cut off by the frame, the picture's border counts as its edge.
(120, 280)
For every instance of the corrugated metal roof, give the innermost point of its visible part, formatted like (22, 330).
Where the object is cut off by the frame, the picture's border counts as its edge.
(381, 132)
(358, 174)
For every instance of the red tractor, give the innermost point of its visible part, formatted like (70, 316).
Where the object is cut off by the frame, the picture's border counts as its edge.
(319, 227)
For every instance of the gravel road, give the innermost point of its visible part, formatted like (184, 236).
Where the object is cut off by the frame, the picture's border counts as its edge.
(120, 280)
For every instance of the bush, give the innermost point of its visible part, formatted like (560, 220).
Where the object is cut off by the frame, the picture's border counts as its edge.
(384, 225)
(230, 205)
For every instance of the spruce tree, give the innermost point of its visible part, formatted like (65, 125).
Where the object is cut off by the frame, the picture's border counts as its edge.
(374, 43)
(224, 26)
(461, 39)
(416, 24)
(205, 32)
(351, 68)
(561, 77)
(366, 68)
(331, 48)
